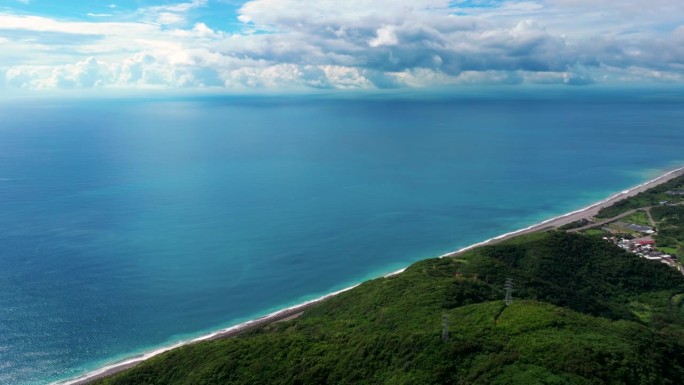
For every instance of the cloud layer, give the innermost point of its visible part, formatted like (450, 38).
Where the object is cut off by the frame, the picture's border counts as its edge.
(353, 44)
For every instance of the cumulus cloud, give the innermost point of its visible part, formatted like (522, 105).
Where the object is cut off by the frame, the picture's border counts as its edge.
(385, 36)
(390, 37)
(353, 44)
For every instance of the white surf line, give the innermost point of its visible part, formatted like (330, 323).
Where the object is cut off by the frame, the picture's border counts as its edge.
(245, 325)
(611, 199)
(121, 365)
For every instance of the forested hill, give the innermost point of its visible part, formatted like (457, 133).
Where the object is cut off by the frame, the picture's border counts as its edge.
(583, 312)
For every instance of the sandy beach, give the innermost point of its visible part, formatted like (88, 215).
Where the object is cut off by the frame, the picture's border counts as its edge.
(278, 316)
(587, 212)
(294, 311)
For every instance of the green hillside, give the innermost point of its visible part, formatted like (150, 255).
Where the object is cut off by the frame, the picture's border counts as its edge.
(584, 312)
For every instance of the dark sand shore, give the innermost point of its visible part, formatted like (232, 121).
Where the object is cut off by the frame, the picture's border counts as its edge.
(297, 310)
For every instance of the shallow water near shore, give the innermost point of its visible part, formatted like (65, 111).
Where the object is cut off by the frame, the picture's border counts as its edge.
(129, 225)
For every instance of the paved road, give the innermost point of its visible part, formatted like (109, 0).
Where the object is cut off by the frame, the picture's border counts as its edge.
(625, 214)
(613, 219)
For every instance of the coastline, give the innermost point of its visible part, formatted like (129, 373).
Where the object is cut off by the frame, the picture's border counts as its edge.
(296, 310)
(576, 215)
(277, 316)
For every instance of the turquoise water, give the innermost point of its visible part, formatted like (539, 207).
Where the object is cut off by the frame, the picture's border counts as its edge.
(130, 224)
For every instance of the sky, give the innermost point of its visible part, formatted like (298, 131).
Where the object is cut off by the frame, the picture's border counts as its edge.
(232, 45)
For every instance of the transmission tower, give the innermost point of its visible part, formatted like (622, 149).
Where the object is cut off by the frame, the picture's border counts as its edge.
(445, 328)
(509, 291)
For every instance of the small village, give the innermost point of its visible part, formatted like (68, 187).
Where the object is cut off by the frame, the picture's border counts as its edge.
(645, 248)
(637, 238)
(643, 245)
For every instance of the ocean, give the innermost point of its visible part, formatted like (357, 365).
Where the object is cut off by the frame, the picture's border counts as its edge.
(131, 224)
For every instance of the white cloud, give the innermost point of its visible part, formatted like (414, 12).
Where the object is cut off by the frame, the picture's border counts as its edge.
(45, 24)
(181, 7)
(385, 36)
(172, 14)
(350, 44)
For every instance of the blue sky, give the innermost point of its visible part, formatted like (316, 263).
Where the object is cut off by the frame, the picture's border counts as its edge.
(233, 45)
(216, 14)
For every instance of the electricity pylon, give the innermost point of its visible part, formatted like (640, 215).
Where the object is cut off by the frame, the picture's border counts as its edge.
(509, 291)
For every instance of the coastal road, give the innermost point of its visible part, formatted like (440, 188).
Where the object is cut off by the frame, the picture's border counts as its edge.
(609, 220)
(625, 214)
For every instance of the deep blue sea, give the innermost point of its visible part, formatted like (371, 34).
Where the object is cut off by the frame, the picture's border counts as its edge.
(130, 224)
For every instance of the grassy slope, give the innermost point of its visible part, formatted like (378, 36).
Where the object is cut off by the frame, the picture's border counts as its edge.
(585, 313)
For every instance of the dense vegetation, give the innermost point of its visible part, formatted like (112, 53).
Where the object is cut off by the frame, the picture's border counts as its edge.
(670, 221)
(585, 312)
(650, 197)
(576, 224)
